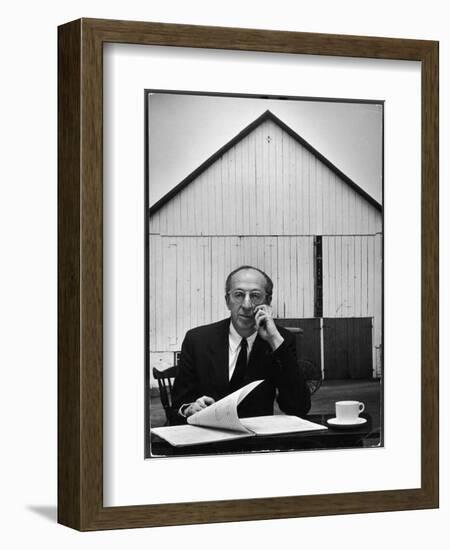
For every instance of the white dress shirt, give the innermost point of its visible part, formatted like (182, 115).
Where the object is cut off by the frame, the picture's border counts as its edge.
(234, 347)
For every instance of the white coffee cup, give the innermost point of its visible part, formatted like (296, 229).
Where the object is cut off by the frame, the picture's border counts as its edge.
(348, 411)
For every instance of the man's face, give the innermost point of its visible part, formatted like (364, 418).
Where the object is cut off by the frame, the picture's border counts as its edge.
(242, 311)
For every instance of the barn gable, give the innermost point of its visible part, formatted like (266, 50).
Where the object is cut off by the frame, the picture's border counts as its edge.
(266, 180)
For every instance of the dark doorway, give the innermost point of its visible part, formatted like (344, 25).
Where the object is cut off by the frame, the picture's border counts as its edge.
(347, 346)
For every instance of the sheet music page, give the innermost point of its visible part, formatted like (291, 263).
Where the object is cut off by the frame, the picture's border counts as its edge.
(223, 413)
(280, 424)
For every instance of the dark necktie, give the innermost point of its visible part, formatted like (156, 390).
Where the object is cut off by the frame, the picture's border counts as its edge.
(239, 371)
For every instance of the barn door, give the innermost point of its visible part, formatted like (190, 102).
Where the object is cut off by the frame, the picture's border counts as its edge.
(308, 345)
(347, 346)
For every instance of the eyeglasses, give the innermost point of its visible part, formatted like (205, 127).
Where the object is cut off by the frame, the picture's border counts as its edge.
(256, 298)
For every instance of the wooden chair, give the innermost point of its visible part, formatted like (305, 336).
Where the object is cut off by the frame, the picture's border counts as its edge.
(312, 374)
(165, 380)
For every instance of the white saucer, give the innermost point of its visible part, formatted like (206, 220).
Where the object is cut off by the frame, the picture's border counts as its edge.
(346, 424)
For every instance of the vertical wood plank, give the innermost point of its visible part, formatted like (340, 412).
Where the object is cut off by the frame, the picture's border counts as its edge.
(371, 275)
(326, 200)
(337, 206)
(217, 210)
(289, 195)
(252, 211)
(378, 291)
(351, 275)
(319, 196)
(286, 272)
(259, 181)
(325, 276)
(169, 302)
(179, 294)
(222, 273)
(275, 272)
(359, 215)
(356, 311)
(214, 279)
(280, 182)
(339, 277)
(238, 206)
(293, 297)
(226, 193)
(244, 183)
(210, 192)
(184, 213)
(190, 206)
(153, 262)
(176, 223)
(270, 204)
(192, 289)
(299, 261)
(364, 278)
(298, 228)
(306, 274)
(153, 223)
(237, 199)
(312, 213)
(333, 276)
(159, 270)
(352, 212)
(345, 199)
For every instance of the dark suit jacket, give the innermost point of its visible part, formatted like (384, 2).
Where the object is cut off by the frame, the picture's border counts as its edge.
(204, 371)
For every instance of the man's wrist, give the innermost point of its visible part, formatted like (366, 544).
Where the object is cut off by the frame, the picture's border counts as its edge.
(275, 341)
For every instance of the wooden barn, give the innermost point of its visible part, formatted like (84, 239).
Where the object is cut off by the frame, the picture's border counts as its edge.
(269, 199)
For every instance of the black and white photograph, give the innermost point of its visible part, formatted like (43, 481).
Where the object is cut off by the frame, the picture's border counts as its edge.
(264, 273)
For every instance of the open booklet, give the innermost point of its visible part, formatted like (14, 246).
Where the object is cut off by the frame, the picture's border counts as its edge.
(220, 422)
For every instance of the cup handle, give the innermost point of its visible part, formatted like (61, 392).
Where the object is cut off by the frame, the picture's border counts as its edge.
(361, 407)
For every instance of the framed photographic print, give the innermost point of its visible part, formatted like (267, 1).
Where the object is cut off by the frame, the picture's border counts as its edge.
(265, 198)
(247, 274)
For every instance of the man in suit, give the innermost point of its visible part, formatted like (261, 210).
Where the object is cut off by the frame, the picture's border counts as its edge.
(219, 358)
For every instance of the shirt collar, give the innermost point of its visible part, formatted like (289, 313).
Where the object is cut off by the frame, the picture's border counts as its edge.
(235, 338)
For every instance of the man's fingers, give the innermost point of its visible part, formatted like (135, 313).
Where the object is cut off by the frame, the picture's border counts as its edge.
(199, 404)
(202, 403)
(266, 311)
(260, 317)
(192, 409)
(205, 401)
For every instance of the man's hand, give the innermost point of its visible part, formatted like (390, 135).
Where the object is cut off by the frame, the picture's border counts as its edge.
(266, 326)
(198, 405)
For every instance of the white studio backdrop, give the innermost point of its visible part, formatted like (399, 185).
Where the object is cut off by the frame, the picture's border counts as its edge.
(28, 275)
(128, 479)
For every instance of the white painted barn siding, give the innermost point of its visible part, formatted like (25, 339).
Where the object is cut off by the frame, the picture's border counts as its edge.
(176, 304)
(261, 203)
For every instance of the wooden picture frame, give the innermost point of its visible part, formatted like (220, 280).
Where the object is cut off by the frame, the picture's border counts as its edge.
(80, 272)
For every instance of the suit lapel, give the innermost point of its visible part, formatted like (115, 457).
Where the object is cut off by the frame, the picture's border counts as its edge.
(218, 346)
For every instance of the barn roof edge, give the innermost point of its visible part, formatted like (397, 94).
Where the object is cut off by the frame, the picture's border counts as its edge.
(267, 115)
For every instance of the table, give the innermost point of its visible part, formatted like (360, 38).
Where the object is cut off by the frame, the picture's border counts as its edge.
(331, 438)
